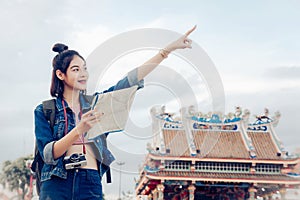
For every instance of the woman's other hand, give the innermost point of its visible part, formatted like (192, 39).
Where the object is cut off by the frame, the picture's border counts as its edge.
(182, 42)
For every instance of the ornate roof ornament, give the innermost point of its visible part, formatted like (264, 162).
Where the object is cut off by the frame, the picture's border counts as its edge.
(238, 112)
(276, 118)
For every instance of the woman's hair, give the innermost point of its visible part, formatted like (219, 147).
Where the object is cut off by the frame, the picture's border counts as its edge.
(61, 62)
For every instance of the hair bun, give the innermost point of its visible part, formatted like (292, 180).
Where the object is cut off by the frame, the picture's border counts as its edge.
(58, 47)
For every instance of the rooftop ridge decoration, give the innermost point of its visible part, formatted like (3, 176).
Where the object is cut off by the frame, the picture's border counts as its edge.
(212, 119)
(261, 122)
(215, 121)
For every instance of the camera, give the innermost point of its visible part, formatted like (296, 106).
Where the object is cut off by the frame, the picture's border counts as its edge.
(75, 160)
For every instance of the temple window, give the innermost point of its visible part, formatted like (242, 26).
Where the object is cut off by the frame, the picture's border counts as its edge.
(222, 167)
(267, 169)
(177, 165)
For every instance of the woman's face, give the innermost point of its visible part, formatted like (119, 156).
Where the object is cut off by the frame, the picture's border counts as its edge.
(76, 76)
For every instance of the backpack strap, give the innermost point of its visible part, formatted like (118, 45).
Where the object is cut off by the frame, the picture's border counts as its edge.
(49, 111)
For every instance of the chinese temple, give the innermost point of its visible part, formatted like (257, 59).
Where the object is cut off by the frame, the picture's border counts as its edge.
(213, 156)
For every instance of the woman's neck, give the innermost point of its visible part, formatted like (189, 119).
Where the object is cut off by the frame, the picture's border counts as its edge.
(71, 97)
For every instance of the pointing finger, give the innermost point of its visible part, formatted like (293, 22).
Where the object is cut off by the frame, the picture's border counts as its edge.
(190, 31)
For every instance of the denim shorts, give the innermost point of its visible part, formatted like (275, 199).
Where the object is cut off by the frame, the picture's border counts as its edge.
(80, 184)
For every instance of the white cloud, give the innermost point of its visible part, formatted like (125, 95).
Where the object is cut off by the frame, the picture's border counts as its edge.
(244, 84)
(87, 39)
(286, 73)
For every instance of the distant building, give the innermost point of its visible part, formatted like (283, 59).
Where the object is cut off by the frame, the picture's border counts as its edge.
(211, 156)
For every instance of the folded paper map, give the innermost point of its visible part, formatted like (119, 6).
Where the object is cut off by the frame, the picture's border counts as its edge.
(115, 106)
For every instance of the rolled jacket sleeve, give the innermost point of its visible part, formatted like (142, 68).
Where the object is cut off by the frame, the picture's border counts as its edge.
(128, 81)
(133, 79)
(48, 154)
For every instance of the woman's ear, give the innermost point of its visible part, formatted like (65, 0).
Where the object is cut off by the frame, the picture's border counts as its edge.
(60, 75)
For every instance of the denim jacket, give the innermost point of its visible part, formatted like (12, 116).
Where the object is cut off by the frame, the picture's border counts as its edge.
(46, 137)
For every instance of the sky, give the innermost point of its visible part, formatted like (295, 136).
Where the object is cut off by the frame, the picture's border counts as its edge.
(254, 45)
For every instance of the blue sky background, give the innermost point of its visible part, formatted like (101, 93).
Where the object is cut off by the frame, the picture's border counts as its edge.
(254, 45)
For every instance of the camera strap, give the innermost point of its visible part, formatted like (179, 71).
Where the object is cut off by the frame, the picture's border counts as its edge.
(66, 125)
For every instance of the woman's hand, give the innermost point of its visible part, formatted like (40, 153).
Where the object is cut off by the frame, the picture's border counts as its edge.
(88, 120)
(182, 42)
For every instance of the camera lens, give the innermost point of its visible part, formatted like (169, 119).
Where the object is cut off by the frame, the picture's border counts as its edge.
(74, 157)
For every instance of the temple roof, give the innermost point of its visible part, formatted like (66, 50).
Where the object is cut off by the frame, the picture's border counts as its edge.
(219, 144)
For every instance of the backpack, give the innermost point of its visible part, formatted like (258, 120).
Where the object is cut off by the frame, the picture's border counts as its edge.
(38, 163)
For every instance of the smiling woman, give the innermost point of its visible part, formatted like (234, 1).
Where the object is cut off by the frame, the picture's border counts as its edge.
(73, 165)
